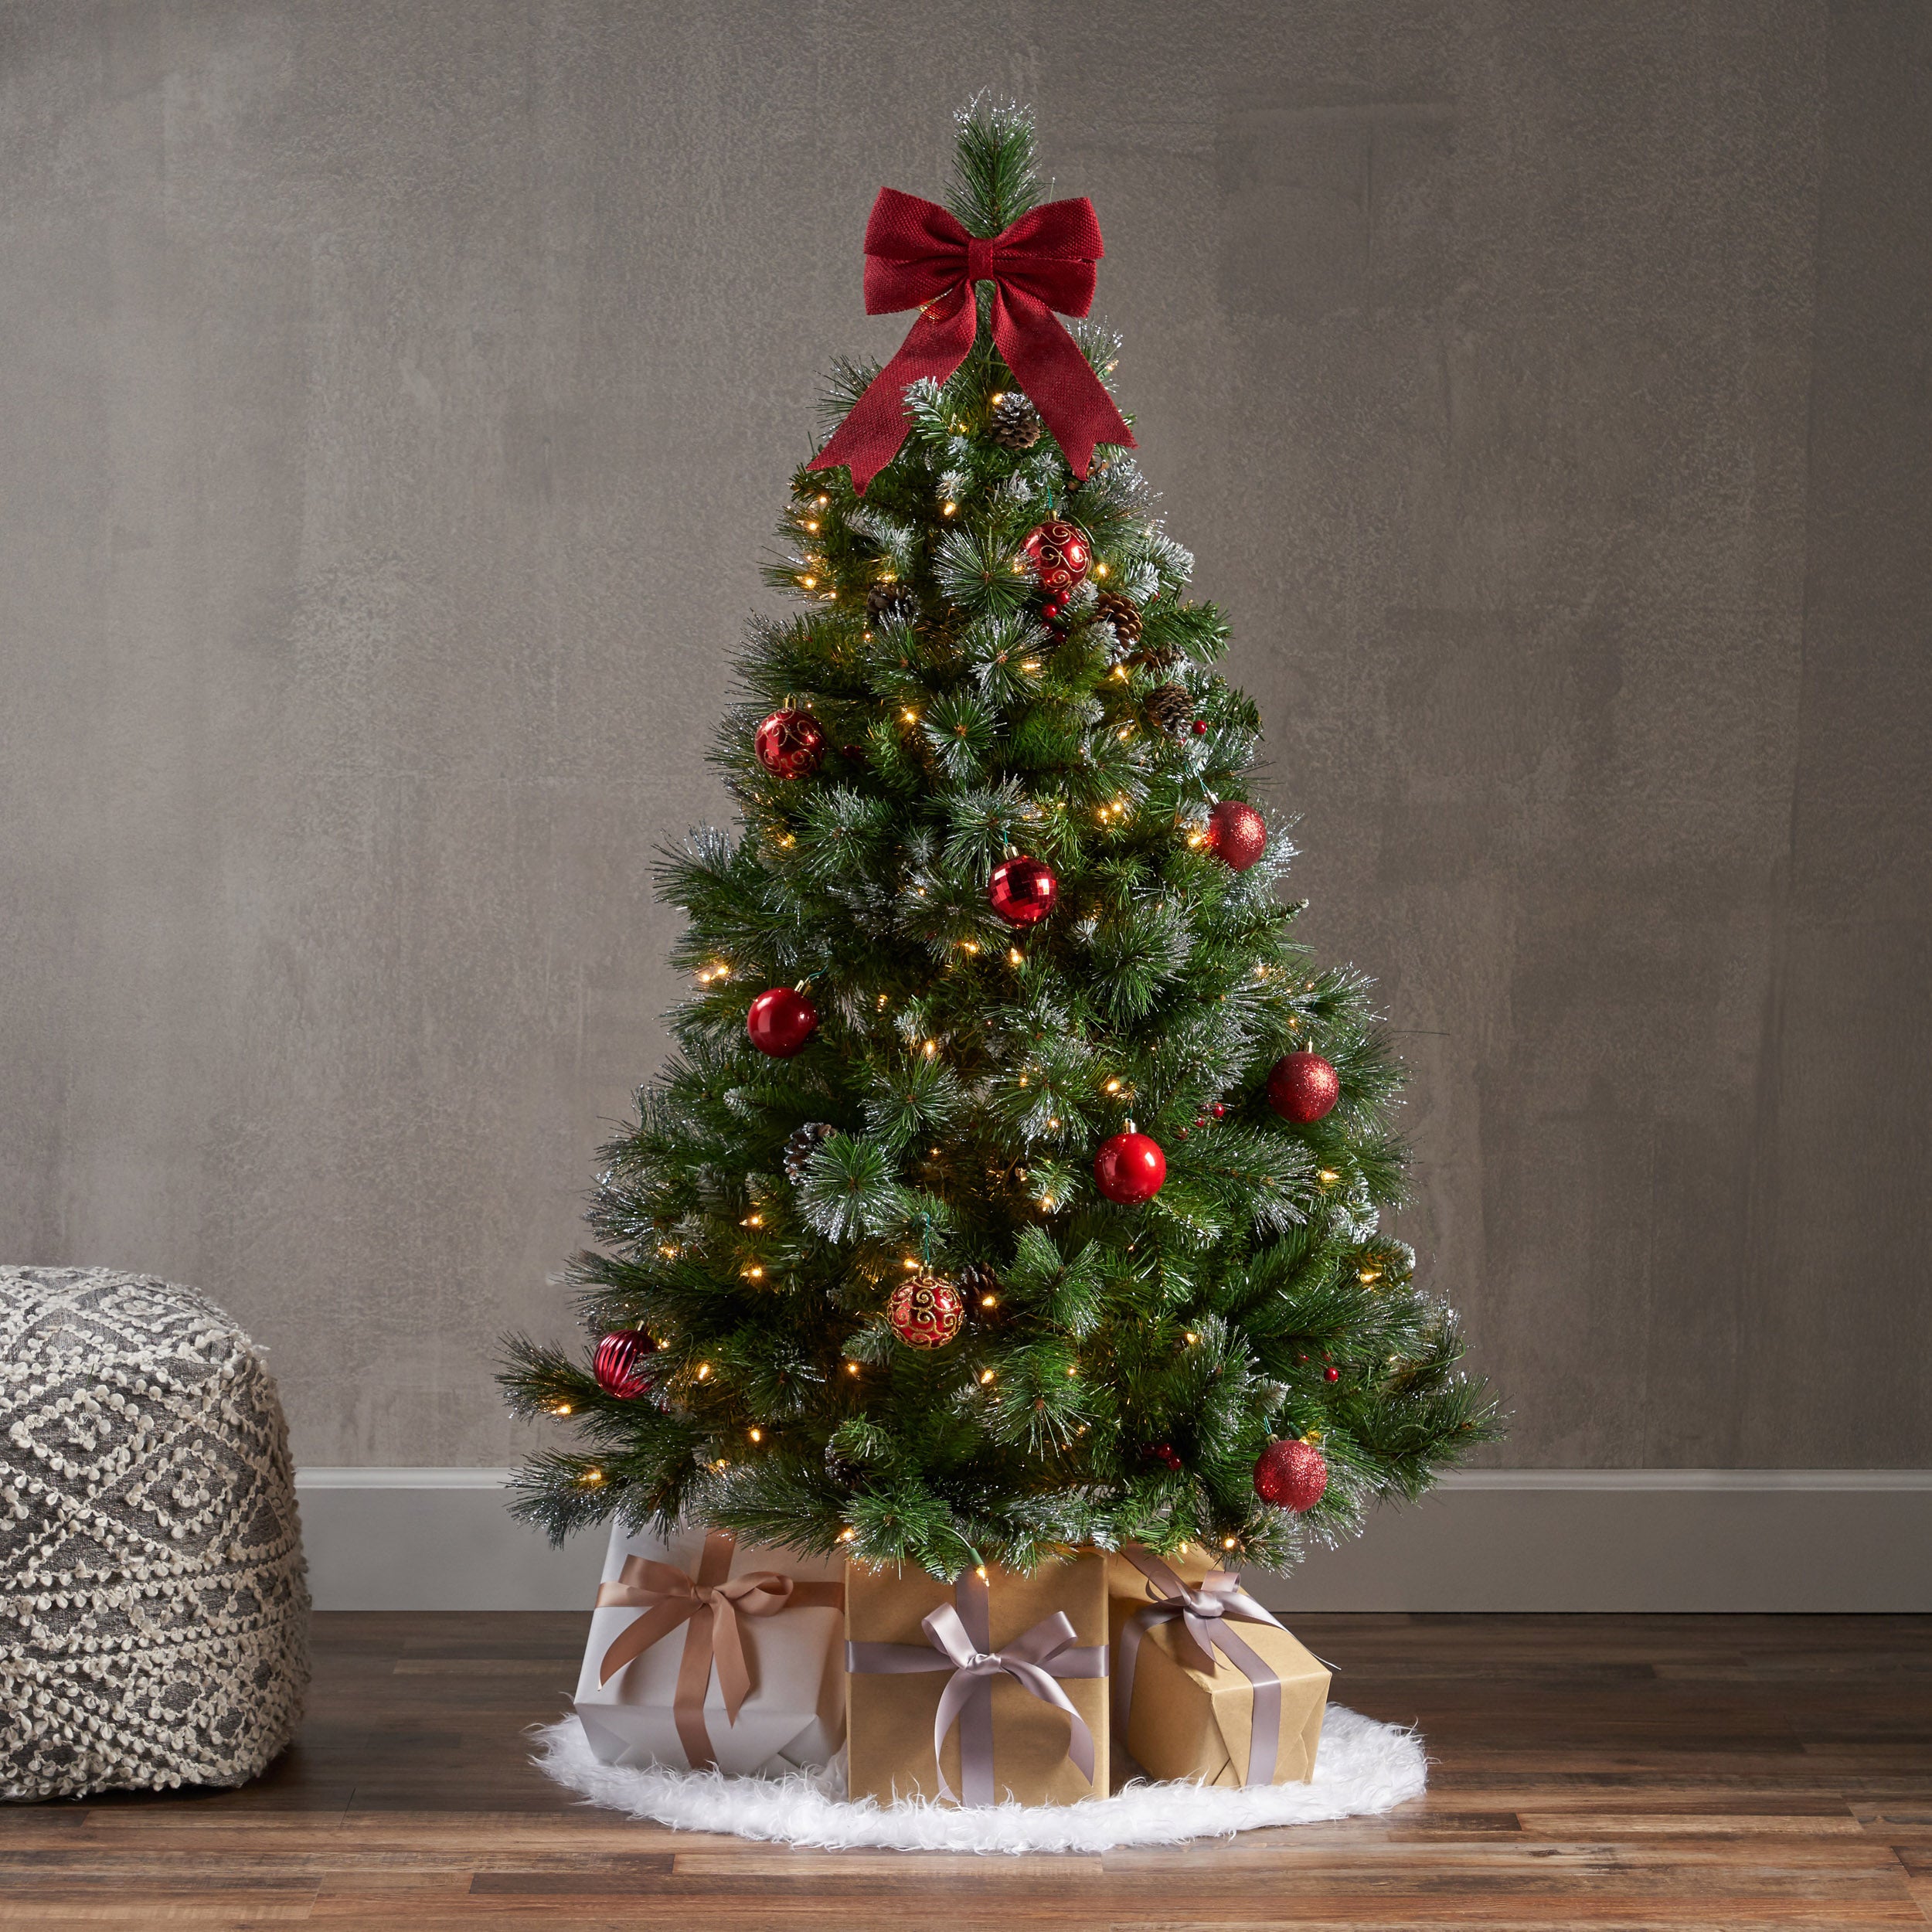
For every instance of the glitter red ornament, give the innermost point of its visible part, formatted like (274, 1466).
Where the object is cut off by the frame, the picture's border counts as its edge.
(1057, 553)
(925, 1312)
(1291, 1476)
(620, 1368)
(1022, 891)
(790, 744)
(1129, 1168)
(1237, 835)
(780, 1021)
(1302, 1088)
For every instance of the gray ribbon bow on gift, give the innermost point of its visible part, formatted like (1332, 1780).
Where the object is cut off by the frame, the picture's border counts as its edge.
(1046, 1652)
(1203, 1611)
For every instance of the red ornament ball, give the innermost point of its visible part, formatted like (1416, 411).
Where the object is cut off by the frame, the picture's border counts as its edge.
(1053, 612)
(1200, 727)
(1022, 891)
(925, 1312)
(620, 1366)
(780, 1021)
(1219, 1109)
(790, 744)
(1236, 833)
(1129, 1169)
(1056, 553)
(1302, 1088)
(1163, 1453)
(1291, 1475)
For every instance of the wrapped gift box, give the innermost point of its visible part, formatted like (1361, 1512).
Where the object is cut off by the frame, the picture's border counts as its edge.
(675, 1616)
(1208, 1686)
(999, 1664)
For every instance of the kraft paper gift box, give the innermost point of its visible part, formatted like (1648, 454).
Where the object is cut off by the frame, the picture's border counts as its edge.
(1207, 1685)
(692, 1628)
(999, 1665)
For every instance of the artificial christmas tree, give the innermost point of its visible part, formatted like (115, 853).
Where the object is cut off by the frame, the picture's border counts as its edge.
(1012, 915)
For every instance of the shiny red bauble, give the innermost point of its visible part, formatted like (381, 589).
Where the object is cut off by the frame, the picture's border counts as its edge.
(620, 1366)
(1057, 554)
(1291, 1475)
(780, 1021)
(1129, 1169)
(1163, 1453)
(1022, 891)
(790, 744)
(1302, 1088)
(925, 1312)
(1236, 833)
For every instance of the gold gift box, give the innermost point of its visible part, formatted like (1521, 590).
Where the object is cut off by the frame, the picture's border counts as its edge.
(1186, 1722)
(890, 1714)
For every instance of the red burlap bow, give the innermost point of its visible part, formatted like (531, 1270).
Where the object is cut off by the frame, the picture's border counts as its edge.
(710, 1603)
(918, 256)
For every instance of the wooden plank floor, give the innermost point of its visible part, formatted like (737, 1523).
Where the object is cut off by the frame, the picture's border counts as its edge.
(1718, 1772)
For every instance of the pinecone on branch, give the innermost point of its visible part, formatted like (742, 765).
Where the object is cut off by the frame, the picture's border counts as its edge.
(1013, 423)
(1170, 710)
(980, 1286)
(800, 1144)
(1122, 612)
(891, 603)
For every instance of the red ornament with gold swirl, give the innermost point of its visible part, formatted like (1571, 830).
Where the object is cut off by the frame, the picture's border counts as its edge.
(1057, 553)
(926, 1311)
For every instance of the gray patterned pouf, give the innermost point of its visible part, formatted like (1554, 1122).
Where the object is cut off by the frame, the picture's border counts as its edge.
(153, 1612)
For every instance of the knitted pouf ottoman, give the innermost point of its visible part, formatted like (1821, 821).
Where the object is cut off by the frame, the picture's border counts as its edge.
(153, 1611)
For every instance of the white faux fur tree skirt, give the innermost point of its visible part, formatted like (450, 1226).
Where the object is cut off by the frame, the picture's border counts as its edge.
(1361, 1766)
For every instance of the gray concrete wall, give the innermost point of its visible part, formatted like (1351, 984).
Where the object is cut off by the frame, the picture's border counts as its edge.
(394, 401)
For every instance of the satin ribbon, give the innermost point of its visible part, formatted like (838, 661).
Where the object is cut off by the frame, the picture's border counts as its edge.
(1203, 1611)
(710, 1606)
(957, 1638)
(917, 256)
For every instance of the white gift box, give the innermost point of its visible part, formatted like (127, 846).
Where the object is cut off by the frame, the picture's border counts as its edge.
(794, 1713)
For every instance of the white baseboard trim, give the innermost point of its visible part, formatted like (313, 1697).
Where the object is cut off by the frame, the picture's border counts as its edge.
(1488, 1539)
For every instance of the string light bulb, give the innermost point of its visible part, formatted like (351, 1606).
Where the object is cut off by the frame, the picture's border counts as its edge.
(704, 1372)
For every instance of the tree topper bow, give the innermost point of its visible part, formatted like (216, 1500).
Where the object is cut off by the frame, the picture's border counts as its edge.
(917, 256)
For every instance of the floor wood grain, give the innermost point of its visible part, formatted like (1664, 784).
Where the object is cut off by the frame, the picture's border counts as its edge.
(1722, 1773)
